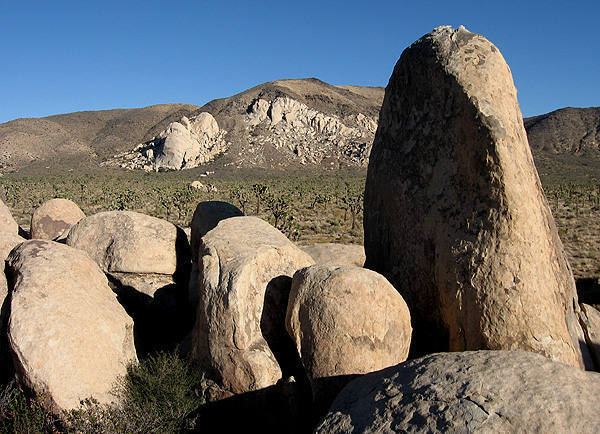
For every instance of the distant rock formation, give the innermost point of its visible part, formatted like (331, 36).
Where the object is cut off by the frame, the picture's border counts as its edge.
(182, 145)
(568, 130)
(275, 125)
(309, 134)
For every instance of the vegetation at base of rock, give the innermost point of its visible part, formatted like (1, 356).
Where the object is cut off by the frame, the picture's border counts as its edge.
(21, 414)
(160, 394)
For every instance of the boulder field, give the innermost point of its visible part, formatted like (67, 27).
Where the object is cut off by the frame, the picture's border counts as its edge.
(464, 318)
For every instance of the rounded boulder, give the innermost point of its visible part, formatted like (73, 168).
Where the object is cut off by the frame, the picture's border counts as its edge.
(69, 336)
(54, 218)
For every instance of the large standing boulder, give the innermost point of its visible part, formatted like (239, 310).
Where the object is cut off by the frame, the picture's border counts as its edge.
(455, 216)
(69, 336)
(54, 218)
(7, 222)
(147, 260)
(345, 321)
(482, 391)
(336, 254)
(245, 269)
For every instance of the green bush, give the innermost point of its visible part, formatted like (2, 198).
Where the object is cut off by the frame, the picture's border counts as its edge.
(20, 414)
(157, 395)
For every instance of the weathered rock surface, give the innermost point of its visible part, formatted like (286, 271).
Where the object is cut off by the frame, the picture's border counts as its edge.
(188, 143)
(590, 321)
(127, 242)
(336, 254)
(455, 215)
(206, 217)
(483, 391)
(70, 337)
(345, 321)
(245, 269)
(7, 222)
(8, 240)
(54, 218)
(147, 261)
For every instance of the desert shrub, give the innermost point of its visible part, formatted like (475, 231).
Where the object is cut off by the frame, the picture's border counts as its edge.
(20, 414)
(157, 395)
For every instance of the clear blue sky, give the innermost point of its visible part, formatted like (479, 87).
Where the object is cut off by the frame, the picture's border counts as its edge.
(64, 56)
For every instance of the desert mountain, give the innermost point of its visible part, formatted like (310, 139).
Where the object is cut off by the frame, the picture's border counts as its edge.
(568, 130)
(276, 125)
(82, 136)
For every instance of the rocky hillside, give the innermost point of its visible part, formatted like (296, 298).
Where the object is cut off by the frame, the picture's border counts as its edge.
(90, 136)
(274, 125)
(568, 130)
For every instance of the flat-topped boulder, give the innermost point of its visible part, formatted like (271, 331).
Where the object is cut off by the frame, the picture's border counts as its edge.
(454, 212)
(336, 254)
(245, 271)
(53, 219)
(474, 391)
(69, 336)
(127, 242)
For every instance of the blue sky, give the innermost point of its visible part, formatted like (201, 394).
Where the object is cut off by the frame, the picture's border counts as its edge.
(65, 56)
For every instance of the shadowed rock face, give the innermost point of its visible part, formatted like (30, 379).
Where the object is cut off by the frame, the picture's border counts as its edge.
(482, 391)
(455, 216)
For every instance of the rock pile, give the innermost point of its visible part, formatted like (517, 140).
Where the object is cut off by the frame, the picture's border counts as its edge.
(455, 218)
(182, 145)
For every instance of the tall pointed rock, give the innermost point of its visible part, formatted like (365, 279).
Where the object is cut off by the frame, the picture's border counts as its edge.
(455, 215)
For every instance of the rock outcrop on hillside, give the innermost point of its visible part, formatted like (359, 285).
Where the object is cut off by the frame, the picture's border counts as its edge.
(274, 125)
(480, 391)
(182, 145)
(455, 216)
(82, 139)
